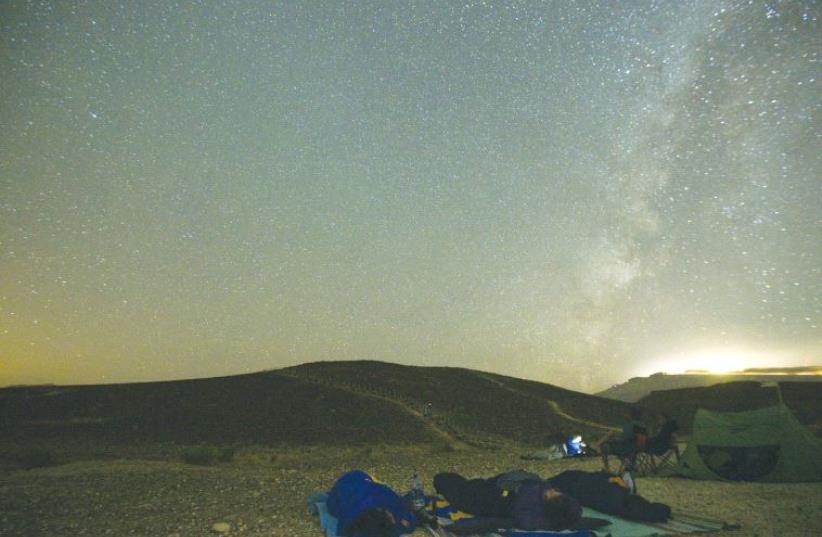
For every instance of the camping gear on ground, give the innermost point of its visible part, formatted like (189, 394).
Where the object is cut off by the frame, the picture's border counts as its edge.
(417, 492)
(553, 453)
(357, 501)
(767, 444)
(318, 508)
(574, 446)
(679, 523)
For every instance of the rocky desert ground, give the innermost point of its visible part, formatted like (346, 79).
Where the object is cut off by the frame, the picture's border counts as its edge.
(263, 492)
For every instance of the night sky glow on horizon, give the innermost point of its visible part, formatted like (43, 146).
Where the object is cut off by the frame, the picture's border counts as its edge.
(572, 192)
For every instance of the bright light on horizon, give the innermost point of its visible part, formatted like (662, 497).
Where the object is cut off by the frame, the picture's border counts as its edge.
(713, 361)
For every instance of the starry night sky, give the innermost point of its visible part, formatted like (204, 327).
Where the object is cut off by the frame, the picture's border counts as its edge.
(573, 192)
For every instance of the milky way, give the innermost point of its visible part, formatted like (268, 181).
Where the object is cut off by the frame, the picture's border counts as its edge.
(565, 191)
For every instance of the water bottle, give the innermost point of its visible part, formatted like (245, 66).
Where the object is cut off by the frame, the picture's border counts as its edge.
(417, 492)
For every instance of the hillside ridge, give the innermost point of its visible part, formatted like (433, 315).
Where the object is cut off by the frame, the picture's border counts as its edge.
(636, 388)
(355, 403)
(350, 403)
(555, 407)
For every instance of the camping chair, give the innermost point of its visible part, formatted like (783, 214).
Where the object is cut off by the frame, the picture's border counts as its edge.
(648, 463)
(661, 452)
(643, 455)
(625, 450)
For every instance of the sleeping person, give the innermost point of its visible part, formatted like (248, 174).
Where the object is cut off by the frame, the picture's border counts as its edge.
(364, 507)
(534, 505)
(608, 494)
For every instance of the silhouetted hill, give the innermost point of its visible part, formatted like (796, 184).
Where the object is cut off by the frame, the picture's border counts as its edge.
(267, 408)
(342, 403)
(349, 403)
(474, 403)
(638, 387)
(803, 398)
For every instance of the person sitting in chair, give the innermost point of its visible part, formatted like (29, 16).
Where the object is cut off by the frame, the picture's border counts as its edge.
(664, 439)
(634, 434)
(633, 439)
(366, 508)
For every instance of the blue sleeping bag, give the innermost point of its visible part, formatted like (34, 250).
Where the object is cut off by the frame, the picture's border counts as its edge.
(356, 492)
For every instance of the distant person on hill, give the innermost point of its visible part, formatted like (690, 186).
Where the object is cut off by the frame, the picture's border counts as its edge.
(364, 507)
(428, 410)
(533, 505)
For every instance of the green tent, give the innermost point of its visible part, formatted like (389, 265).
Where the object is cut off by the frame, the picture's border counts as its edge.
(767, 444)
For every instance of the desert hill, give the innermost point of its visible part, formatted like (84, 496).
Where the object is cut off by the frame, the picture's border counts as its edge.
(471, 402)
(638, 387)
(350, 404)
(268, 408)
(342, 403)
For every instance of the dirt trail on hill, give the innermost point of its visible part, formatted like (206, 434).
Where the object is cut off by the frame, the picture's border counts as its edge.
(553, 404)
(406, 408)
(567, 416)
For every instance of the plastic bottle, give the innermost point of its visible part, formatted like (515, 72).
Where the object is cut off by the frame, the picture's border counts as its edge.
(417, 492)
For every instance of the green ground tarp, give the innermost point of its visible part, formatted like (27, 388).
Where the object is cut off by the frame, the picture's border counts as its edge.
(767, 444)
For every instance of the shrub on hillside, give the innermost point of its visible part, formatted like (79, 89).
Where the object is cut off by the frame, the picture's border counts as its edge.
(208, 455)
(37, 458)
(227, 453)
(444, 447)
(200, 455)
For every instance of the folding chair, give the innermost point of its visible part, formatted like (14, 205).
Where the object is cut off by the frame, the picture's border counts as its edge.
(625, 450)
(661, 451)
(643, 455)
(648, 463)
